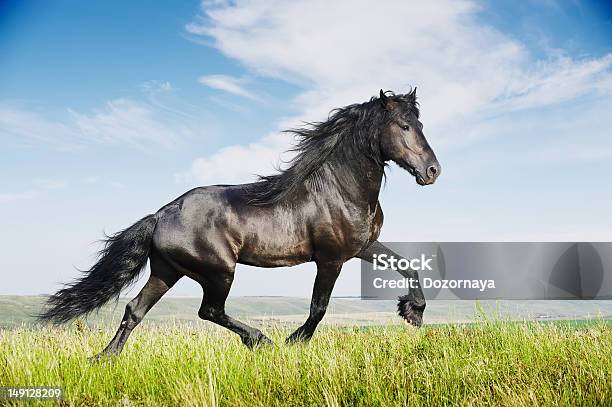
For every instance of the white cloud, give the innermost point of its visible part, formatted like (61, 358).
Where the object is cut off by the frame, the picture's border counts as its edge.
(33, 128)
(93, 179)
(157, 86)
(41, 187)
(120, 121)
(342, 52)
(228, 84)
(50, 184)
(559, 81)
(16, 197)
(125, 121)
(261, 158)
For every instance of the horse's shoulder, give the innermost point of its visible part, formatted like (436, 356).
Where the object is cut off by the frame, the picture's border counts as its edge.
(377, 222)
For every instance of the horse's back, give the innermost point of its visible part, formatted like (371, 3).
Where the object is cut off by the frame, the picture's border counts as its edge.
(216, 225)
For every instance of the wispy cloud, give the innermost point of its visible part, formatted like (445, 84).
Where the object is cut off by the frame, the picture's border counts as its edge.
(16, 197)
(39, 187)
(125, 121)
(157, 86)
(121, 121)
(103, 182)
(51, 184)
(228, 84)
(22, 126)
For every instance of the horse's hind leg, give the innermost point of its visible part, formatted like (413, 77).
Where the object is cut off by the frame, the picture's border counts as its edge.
(163, 277)
(216, 287)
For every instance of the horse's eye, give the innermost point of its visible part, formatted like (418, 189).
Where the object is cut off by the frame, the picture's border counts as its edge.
(405, 127)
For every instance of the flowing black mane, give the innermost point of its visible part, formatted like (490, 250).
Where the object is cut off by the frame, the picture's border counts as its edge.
(349, 132)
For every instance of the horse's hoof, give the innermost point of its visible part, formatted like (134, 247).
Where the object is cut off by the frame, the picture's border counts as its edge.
(293, 339)
(102, 356)
(264, 341)
(258, 341)
(97, 358)
(298, 336)
(411, 311)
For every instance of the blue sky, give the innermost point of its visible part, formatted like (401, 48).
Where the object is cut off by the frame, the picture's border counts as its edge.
(110, 109)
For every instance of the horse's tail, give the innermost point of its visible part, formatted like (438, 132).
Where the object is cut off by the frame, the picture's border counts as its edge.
(120, 262)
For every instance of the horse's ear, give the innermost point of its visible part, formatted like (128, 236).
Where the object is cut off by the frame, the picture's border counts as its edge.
(383, 99)
(413, 93)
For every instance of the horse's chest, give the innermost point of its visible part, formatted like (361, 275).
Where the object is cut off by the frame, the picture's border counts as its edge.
(345, 230)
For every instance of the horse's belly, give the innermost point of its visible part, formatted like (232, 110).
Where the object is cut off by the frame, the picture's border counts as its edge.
(269, 254)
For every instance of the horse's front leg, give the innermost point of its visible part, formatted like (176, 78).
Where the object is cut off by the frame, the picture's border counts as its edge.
(410, 306)
(327, 274)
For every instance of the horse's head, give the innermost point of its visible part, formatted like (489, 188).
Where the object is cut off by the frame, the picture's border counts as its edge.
(403, 141)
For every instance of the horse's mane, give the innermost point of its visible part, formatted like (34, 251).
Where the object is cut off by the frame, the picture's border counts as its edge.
(351, 132)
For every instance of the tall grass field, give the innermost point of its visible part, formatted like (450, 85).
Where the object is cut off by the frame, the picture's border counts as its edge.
(488, 363)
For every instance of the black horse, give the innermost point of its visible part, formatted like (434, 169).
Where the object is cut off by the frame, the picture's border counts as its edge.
(323, 208)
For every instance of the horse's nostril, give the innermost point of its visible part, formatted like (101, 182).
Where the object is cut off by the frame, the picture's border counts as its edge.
(432, 171)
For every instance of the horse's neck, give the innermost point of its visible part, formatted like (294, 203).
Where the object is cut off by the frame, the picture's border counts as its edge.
(358, 181)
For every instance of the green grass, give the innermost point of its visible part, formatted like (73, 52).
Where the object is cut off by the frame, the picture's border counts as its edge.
(496, 363)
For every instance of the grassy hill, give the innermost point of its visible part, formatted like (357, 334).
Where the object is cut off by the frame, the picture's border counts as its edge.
(19, 310)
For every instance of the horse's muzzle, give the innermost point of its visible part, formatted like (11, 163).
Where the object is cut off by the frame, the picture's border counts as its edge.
(430, 174)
